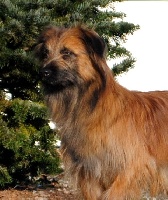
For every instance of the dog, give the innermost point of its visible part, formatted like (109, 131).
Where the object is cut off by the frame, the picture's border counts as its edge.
(114, 141)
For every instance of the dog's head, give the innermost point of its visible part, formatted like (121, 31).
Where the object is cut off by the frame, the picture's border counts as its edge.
(70, 57)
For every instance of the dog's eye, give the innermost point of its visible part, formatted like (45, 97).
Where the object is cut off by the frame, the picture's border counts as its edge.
(44, 52)
(66, 53)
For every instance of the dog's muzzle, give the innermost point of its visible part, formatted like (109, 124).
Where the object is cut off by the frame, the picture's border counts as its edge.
(53, 77)
(45, 73)
(48, 75)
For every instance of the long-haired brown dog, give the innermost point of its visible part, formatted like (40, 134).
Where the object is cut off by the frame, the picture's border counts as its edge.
(114, 141)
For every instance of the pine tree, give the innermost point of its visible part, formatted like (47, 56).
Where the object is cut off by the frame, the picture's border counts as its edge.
(27, 144)
(23, 118)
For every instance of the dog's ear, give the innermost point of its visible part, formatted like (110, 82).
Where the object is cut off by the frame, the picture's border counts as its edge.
(96, 48)
(93, 42)
(41, 51)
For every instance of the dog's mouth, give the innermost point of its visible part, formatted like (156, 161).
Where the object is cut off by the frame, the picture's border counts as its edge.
(55, 80)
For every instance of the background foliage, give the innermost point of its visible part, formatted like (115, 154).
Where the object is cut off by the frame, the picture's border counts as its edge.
(23, 117)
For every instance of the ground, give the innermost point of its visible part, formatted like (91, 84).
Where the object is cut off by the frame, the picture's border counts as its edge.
(47, 194)
(50, 190)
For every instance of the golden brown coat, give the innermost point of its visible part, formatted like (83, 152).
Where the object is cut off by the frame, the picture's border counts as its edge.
(114, 141)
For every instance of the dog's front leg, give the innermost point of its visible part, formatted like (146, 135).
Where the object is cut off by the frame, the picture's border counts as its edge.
(123, 188)
(91, 190)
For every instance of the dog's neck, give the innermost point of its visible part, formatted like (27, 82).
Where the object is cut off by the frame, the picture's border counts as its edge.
(75, 107)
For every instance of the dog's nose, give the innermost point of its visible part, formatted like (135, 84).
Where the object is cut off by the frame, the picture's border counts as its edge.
(45, 72)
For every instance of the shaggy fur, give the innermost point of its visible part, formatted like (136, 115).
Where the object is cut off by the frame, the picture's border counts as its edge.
(114, 141)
